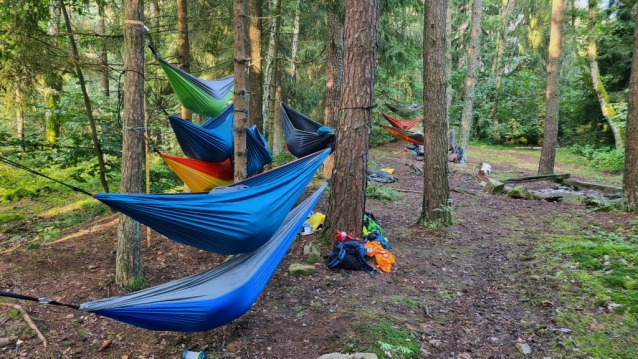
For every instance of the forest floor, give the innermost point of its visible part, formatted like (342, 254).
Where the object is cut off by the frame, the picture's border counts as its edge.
(507, 276)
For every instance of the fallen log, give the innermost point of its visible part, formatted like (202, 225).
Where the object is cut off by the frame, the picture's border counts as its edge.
(556, 177)
(575, 184)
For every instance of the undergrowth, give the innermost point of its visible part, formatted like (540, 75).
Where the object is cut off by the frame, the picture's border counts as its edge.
(386, 340)
(381, 192)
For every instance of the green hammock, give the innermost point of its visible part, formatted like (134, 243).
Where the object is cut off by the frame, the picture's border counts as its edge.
(206, 98)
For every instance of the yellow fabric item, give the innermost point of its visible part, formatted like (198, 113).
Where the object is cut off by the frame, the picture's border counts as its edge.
(365, 231)
(316, 220)
(385, 259)
(195, 180)
(389, 170)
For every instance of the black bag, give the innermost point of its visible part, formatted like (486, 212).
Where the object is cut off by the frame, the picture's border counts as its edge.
(349, 255)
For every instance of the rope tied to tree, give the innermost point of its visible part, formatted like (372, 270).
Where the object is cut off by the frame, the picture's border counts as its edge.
(42, 300)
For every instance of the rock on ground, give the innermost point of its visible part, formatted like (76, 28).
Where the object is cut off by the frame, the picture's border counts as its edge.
(301, 269)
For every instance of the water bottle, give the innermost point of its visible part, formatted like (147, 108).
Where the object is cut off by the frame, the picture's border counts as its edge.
(193, 355)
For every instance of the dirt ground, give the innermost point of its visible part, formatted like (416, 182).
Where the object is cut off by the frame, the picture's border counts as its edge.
(463, 291)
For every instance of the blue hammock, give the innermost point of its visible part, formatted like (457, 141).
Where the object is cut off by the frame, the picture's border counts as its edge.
(209, 299)
(239, 220)
(211, 142)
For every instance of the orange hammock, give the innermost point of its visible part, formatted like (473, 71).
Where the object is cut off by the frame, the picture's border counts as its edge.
(402, 124)
(416, 138)
(200, 176)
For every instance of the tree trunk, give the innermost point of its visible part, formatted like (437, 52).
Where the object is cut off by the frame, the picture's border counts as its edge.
(436, 190)
(183, 45)
(348, 189)
(506, 10)
(334, 71)
(278, 140)
(153, 10)
(19, 114)
(272, 123)
(550, 135)
(630, 174)
(240, 37)
(128, 268)
(603, 99)
(52, 96)
(103, 56)
(448, 64)
(85, 96)
(255, 73)
(295, 40)
(470, 80)
(275, 14)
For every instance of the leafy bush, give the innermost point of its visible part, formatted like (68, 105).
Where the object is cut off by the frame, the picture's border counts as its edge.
(381, 192)
(18, 194)
(604, 159)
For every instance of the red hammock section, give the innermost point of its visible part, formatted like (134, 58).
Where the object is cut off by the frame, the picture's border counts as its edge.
(402, 124)
(200, 176)
(405, 135)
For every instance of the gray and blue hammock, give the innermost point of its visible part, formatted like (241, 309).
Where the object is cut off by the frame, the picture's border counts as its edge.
(229, 220)
(206, 98)
(304, 135)
(212, 298)
(212, 141)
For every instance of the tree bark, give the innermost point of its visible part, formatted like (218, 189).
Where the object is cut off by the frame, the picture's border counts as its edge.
(103, 56)
(240, 37)
(470, 80)
(255, 73)
(154, 13)
(334, 70)
(295, 41)
(436, 190)
(277, 144)
(348, 190)
(506, 10)
(87, 102)
(275, 14)
(19, 114)
(603, 99)
(52, 96)
(448, 64)
(183, 46)
(550, 135)
(630, 174)
(128, 268)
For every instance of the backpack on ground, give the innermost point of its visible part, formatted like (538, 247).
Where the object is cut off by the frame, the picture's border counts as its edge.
(456, 155)
(349, 253)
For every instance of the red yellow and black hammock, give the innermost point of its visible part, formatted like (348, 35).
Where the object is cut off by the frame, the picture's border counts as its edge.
(200, 176)
(412, 137)
(402, 124)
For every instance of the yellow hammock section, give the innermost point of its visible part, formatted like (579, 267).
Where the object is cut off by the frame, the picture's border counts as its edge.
(200, 176)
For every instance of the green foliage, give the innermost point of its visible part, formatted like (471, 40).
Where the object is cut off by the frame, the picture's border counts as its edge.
(603, 159)
(138, 284)
(381, 192)
(380, 336)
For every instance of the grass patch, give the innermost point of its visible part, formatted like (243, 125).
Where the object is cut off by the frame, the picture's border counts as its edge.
(381, 336)
(10, 217)
(382, 193)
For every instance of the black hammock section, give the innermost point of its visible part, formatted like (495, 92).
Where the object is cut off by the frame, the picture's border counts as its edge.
(304, 136)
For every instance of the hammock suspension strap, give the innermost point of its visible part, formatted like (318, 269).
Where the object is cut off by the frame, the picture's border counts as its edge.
(42, 300)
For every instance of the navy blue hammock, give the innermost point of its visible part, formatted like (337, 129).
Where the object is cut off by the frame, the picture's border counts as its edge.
(228, 220)
(212, 141)
(212, 298)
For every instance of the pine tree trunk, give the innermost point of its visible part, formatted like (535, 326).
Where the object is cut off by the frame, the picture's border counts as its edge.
(295, 40)
(436, 189)
(240, 37)
(550, 135)
(334, 70)
(348, 189)
(630, 174)
(603, 99)
(278, 140)
(448, 64)
(52, 96)
(273, 103)
(275, 12)
(255, 74)
(19, 115)
(87, 102)
(100, 29)
(506, 10)
(153, 10)
(183, 46)
(128, 267)
(470, 80)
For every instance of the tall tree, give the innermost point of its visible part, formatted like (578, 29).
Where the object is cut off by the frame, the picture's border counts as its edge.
(334, 72)
(436, 190)
(241, 59)
(273, 43)
(470, 80)
(53, 82)
(100, 29)
(630, 175)
(19, 113)
(255, 71)
(550, 135)
(128, 267)
(85, 96)
(497, 69)
(348, 190)
(597, 82)
(183, 45)
(295, 42)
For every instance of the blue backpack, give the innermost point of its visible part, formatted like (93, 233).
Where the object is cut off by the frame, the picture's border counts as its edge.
(349, 255)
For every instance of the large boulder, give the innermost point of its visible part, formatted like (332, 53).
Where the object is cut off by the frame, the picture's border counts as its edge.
(519, 192)
(493, 186)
